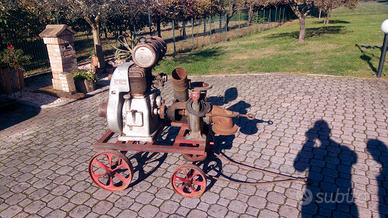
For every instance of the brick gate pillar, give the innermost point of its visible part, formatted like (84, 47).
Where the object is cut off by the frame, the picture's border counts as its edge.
(59, 40)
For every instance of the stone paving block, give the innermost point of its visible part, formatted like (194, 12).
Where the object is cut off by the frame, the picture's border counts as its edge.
(80, 211)
(148, 211)
(102, 207)
(11, 211)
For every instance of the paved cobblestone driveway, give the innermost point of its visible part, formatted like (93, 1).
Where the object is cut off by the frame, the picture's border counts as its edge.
(333, 131)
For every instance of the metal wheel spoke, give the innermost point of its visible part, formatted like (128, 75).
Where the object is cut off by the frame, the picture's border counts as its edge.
(101, 175)
(122, 165)
(109, 156)
(110, 182)
(100, 164)
(181, 178)
(120, 177)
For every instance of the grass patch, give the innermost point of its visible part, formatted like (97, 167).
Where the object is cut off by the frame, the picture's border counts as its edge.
(349, 45)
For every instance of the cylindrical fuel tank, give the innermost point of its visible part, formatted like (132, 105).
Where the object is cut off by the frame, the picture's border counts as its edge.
(149, 51)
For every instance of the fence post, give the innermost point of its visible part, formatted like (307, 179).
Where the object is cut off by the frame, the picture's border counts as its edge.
(226, 23)
(264, 16)
(173, 37)
(220, 24)
(192, 31)
(149, 22)
(210, 25)
(270, 15)
(204, 25)
(276, 13)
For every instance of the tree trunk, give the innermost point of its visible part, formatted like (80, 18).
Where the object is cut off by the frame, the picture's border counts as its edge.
(204, 25)
(184, 30)
(192, 32)
(250, 15)
(227, 23)
(173, 37)
(270, 15)
(210, 25)
(327, 18)
(149, 23)
(302, 29)
(320, 14)
(276, 13)
(158, 27)
(97, 45)
(220, 24)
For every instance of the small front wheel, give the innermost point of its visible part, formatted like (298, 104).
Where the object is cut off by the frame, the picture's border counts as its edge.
(189, 181)
(111, 170)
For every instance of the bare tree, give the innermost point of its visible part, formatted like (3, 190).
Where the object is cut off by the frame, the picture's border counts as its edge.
(328, 5)
(301, 8)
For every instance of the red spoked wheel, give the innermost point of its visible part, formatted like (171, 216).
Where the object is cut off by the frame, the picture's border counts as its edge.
(194, 157)
(111, 170)
(189, 181)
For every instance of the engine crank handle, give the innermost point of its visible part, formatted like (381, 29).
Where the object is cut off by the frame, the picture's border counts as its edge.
(248, 116)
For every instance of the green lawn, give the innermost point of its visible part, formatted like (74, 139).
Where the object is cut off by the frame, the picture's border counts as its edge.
(348, 46)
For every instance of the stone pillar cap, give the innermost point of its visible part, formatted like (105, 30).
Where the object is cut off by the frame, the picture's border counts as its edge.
(54, 31)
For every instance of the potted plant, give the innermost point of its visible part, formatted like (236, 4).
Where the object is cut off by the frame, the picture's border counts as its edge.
(11, 70)
(84, 80)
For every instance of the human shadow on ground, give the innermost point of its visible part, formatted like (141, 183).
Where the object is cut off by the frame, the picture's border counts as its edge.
(310, 32)
(367, 56)
(379, 152)
(328, 164)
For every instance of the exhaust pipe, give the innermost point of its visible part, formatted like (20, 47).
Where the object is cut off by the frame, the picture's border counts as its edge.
(180, 84)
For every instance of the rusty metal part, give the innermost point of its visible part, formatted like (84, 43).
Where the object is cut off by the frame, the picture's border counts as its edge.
(103, 108)
(181, 145)
(222, 112)
(189, 181)
(180, 84)
(195, 121)
(224, 126)
(111, 170)
(149, 51)
(222, 121)
(140, 79)
(163, 111)
(174, 112)
(199, 88)
(203, 108)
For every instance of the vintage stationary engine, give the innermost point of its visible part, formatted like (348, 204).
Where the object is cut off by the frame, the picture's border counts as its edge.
(134, 101)
(139, 120)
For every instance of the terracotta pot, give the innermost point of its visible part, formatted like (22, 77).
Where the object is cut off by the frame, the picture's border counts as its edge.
(84, 86)
(95, 62)
(11, 80)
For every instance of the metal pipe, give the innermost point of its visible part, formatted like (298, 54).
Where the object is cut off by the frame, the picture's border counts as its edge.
(382, 56)
(195, 122)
